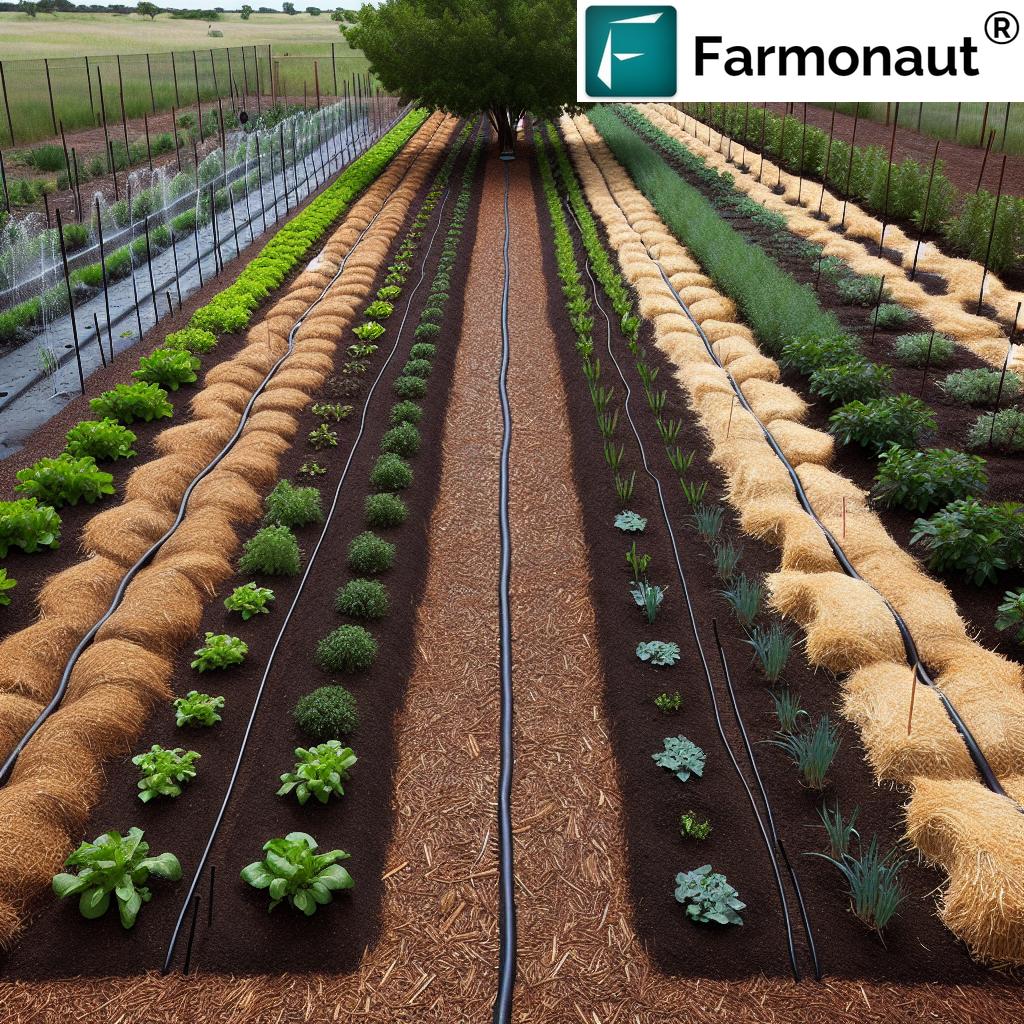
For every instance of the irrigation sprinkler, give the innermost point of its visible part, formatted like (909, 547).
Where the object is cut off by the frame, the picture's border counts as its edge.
(927, 365)
(71, 300)
(149, 267)
(924, 215)
(49, 89)
(849, 168)
(3, 182)
(888, 182)
(99, 340)
(124, 115)
(46, 208)
(7, 105)
(817, 278)
(106, 283)
(828, 164)
(878, 306)
(920, 115)
(991, 236)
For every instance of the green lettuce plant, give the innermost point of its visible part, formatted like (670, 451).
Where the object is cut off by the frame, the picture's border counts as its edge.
(319, 772)
(659, 653)
(220, 651)
(168, 367)
(197, 708)
(682, 757)
(708, 896)
(7, 583)
(26, 524)
(105, 440)
(164, 771)
(293, 872)
(130, 402)
(694, 826)
(249, 600)
(65, 480)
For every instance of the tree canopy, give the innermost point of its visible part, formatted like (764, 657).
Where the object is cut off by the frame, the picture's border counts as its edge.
(505, 57)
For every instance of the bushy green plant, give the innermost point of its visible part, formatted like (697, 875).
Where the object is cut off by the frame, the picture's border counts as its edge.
(26, 524)
(402, 440)
(772, 646)
(855, 381)
(973, 539)
(292, 871)
(272, 551)
(390, 473)
(249, 600)
(882, 422)
(1006, 436)
(668, 703)
(319, 772)
(745, 597)
(809, 352)
(932, 478)
(708, 520)
(370, 554)
(7, 584)
(708, 896)
(1010, 613)
(379, 309)
(389, 292)
(130, 402)
(370, 331)
(423, 350)
(840, 830)
(890, 316)
(980, 386)
(346, 649)
(658, 653)
(860, 290)
(323, 437)
(682, 757)
(334, 411)
(406, 412)
(812, 750)
(727, 560)
(327, 713)
(191, 339)
(410, 387)
(874, 882)
(168, 367)
(427, 330)
(694, 826)
(293, 507)
(363, 599)
(630, 522)
(164, 771)
(197, 708)
(104, 440)
(417, 368)
(787, 709)
(220, 650)
(648, 598)
(637, 562)
(115, 866)
(385, 510)
(912, 349)
(65, 480)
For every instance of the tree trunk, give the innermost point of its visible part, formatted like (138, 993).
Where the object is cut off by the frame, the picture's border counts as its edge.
(505, 120)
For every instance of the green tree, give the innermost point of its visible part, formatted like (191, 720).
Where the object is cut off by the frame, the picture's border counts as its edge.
(246, 12)
(465, 56)
(337, 14)
(288, 8)
(313, 11)
(148, 9)
(26, 7)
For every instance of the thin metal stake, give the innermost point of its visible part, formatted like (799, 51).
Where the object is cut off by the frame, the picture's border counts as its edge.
(924, 215)
(927, 365)
(913, 694)
(878, 305)
(103, 266)
(192, 933)
(99, 339)
(71, 300)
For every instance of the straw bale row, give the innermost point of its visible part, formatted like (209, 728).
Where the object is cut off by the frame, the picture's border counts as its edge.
(847, 623)
(951, 314)
(127, 669)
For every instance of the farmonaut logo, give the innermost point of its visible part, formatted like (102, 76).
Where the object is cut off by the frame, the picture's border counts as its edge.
(630, 51)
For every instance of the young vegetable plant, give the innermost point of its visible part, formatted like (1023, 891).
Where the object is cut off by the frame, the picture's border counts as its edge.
(164, 771)
(368, 332)
(745, 597)
(323, 437)
(840, 830)
(637, 563)
(874, 883)
(220, 651)
(249, 600)
(273, 551)
(6, 583)
(168, 367)
(105, 440)
(727, 560)
(1011, 612)
(130, 402)
(928, 479)
(311, 469)
(331, 411)
(772, 646)
(115, 866)
(708, 520)
(694, 826)
(198, 709)
(682, 757)
(668, 703)
(648, 598)
(65, 480)
(291, 506)
(319, 772)
(708, 896)
(787, 709)
(327, 713)
(292, 871)
(630, 522)
(812, 751)
(26, 524)
(658, 653)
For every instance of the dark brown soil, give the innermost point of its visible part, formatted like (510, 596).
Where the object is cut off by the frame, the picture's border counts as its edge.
(977, 604)
(242, 938)
(917, 946)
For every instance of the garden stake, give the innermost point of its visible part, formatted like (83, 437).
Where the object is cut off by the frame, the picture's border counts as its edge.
(78, 186)
(956, 128)
(199, 104)
(195, 238)
(764, 129)
(99, 339)
(913, 694)
(728, 426)
(782, 150)
(746, 135)
(305, 169)
(316, 81)
(174, 73)
(7, 106)
(149, 148)
(177, 273)
(223, 140)
(71, 300)
(924, 216)
(878, 305)
(284, 171)
(124, 116)
(828, 161)
(849, 168)
(46, 208)
(803, 150)
(113, 170)
(984, 160)
(49, 89)
(248, 209)
(149, 71)
(991, 236)
(192, 933)
(259, 174)
(103, 268)
(135, 291)
(3, 182)
(927, 365)
(218, 255)
(209, 905)
(67, 158)
(888, 182)
(817, 277)
(1006, 124)
(234, 221)
(984, 125)
(1002, 379)
(170, 305)
(149, 267)
(213, 68)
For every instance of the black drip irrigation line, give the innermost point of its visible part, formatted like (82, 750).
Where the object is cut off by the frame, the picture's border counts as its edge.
(913, 656)
(506, 884)
(791, 948)
(192, 893)
(150, 554)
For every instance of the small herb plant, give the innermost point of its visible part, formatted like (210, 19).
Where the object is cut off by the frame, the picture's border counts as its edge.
(410, 387)
(327, 713)
(272, 551)
(402, 440)
(293, 507)
(362, 599)
(220, 651)
(1006, 435)
(912, 349)
(164, 771)
(882, 422)
(105, 440)
(874, 882)
(708, 520)
(682, 757)
(311, 469)
(890, 316)
(293, 872)
(708, 896)
(385, 510)
(981, 386)
(331, 411)
(727, 560)
(648, 598)
(787, 709)
(118, 867)
(812, 751)
(1010, 612)
(127, 403)
(323, 437)
(390, 473)
(630, 522)
(27, 525)
(197, 708)
(319, 772)
(370, 554)
(745, 597)
(346, 649)
(249, 600)
(658, 653)
(694, 826)
(928, 479)
(668, 703)
(839, 830)
(405, 412)
(65, 480)
(772, 646)
(7, 583)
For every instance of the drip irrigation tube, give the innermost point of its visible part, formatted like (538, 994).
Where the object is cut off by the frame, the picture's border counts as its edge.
(150, 554)
(791, 948)
(506, 884)
(909, 646)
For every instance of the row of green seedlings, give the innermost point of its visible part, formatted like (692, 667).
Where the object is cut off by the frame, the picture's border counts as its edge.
(291, 870)
(903, 192)
(967, 536)
(812, 747)
(706, 895)
(31, 522)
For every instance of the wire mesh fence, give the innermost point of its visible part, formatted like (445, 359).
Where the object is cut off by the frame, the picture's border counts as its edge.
(80, 92)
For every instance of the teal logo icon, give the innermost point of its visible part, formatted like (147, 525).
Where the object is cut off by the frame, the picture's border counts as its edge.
(630, 51)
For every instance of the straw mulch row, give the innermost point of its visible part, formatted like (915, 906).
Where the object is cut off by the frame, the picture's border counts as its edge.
(127, 669)
(951, 314)
(975, 837)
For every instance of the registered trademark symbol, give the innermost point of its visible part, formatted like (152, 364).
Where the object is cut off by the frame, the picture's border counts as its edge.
(1002, 27)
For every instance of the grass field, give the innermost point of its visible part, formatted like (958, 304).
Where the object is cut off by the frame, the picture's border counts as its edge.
(157, 69)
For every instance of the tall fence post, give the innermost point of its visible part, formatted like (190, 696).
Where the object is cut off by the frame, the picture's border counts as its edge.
(991, 235)
(849, 169)
(152, 95)
(924, 214)
(174, 73)
(888, 181)
(3, 182)
(7, 105)
(92, 106)
(49, 89)
(213, 67)
(124, 115)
